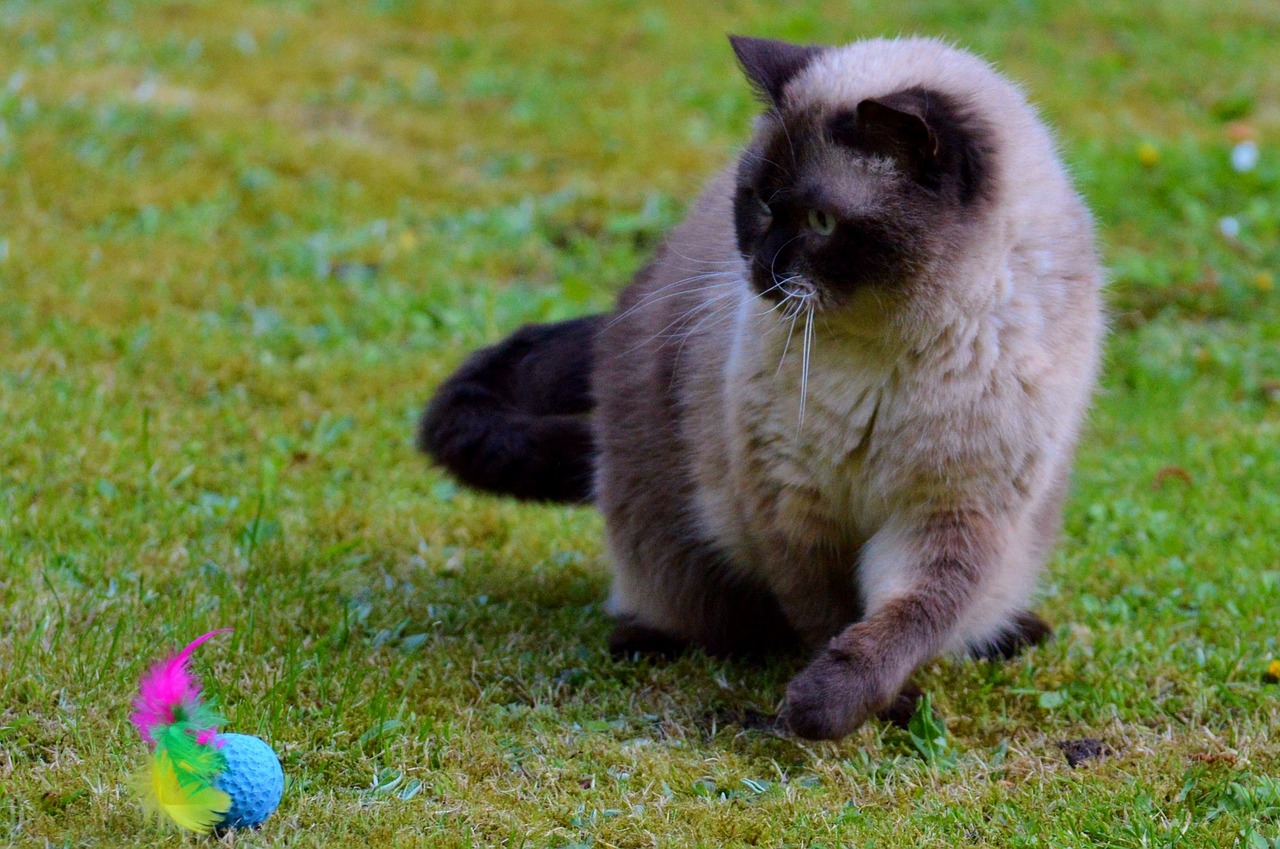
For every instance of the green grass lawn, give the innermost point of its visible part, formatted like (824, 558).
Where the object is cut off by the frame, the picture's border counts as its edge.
(241, 242)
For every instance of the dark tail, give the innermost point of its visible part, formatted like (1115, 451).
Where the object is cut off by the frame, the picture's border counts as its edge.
(515, 418)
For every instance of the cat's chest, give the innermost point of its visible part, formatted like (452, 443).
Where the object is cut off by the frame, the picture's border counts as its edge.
(809, 441)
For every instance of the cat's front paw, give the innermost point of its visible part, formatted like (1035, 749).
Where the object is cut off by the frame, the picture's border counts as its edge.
(832, 696)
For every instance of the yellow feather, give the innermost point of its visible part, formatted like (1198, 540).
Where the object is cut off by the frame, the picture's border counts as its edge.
(193, 807)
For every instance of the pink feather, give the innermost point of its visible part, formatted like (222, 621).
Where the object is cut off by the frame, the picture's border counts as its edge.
(168, 692)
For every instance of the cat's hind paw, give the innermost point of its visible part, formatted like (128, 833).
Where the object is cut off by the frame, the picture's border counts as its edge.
(631, 639)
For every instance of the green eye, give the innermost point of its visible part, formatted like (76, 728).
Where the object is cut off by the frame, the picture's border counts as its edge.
(822, 223)
(764, 207)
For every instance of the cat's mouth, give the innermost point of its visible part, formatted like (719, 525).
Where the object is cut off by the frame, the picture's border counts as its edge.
(792, 294)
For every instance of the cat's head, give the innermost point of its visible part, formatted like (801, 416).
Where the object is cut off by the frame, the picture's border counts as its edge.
(846, 197)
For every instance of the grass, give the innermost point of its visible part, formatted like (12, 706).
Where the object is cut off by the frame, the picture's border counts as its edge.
(240, 242)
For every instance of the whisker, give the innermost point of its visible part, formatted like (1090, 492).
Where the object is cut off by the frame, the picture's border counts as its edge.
(716, 316)
(759, 296)
(786, 300)
(783, 305)
(699, 260)
(804, 368)
(709, 320)
(760, 157)
(773, 276)
(786, 346)
(688, 315)
(702, 275)
(656, 295)
(683, 318)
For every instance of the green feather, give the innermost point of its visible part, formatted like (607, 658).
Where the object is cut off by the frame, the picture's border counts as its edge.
(192, 761)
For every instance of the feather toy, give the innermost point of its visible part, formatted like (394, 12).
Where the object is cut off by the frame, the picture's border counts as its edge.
(198, 778)
(170, 695)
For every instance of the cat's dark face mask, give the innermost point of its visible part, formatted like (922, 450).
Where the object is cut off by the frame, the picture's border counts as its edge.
(832, 201)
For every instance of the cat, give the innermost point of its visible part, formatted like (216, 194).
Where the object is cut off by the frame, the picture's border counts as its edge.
(839, 407)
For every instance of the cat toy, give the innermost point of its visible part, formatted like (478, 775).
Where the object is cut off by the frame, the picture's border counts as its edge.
(198, 778)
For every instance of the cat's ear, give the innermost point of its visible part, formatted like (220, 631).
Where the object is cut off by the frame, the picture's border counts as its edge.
(770, 64)
(933, 138)
(895, 125)
(900, 122)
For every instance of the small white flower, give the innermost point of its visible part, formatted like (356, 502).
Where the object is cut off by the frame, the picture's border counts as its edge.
(1229, 226)
(1244, 156)
(145, 90)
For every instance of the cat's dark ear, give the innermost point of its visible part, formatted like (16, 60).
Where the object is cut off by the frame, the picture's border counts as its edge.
(771, 64)
(895, 126)
(927, 132)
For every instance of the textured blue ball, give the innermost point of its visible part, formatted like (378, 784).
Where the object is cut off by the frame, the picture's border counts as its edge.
(253, 779)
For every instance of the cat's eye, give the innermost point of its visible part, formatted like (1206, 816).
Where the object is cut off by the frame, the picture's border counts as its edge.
(822, 223)
(764, 207)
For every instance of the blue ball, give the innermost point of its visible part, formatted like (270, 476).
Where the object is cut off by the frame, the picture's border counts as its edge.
(253, 779)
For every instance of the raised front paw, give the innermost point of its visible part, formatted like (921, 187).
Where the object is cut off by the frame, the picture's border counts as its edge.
(833, 695)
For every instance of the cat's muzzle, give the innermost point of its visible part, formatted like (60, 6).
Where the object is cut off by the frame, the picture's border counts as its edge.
(794, 290)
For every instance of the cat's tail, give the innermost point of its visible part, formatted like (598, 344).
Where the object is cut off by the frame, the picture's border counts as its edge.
(514, 419)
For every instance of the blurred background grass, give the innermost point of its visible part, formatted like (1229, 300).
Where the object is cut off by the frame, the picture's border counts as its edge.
(240, 242)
